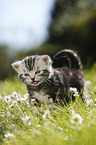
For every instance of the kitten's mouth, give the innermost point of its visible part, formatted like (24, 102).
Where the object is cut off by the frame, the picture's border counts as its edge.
(35, 82)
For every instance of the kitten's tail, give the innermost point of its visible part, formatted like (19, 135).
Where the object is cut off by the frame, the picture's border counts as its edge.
(68, 57)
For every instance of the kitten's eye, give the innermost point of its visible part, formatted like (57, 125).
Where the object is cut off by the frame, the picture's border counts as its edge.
(26, 74)
(37, 72)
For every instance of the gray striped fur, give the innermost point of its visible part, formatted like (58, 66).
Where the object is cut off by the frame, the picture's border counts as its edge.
(43, 81)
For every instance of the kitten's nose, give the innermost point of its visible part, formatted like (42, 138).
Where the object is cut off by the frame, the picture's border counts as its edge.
(32, 79)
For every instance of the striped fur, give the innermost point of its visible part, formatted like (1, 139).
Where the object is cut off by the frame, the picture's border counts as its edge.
(70, 56)
(29, 62)
(43, 81)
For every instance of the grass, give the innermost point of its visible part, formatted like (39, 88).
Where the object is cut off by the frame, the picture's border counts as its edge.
(72, 124)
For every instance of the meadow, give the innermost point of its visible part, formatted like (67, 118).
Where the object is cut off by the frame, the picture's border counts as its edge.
(71, 124)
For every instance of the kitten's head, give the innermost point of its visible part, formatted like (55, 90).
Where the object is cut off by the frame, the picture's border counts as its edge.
(34, 70)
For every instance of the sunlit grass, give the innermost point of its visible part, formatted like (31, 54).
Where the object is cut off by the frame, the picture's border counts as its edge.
(53, 124)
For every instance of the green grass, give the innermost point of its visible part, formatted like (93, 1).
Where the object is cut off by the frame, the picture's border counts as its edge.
(72, 124)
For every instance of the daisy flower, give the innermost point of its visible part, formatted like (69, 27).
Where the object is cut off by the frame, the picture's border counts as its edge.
(46, 113)
(8, 135)
(13, 104)
(74, 91)
(7, 98)
(76, 119)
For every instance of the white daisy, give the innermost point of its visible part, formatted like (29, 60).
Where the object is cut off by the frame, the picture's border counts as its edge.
(13, 104)
(26, 96)
(7, 98)
(1, 97)
(75, 91)
(60, 128)
(76, 119)
(89, 102)
(46, 113)
(8, 135)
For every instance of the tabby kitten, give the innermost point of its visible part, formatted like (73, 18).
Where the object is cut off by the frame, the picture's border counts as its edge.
(48, 84)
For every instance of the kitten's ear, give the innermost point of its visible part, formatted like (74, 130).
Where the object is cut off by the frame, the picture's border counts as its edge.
(16, 65)
(47, 59)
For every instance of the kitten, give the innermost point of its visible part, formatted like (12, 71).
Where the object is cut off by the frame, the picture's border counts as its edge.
(48, 84)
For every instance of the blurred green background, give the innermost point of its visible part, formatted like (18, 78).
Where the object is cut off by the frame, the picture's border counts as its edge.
(73, 26)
